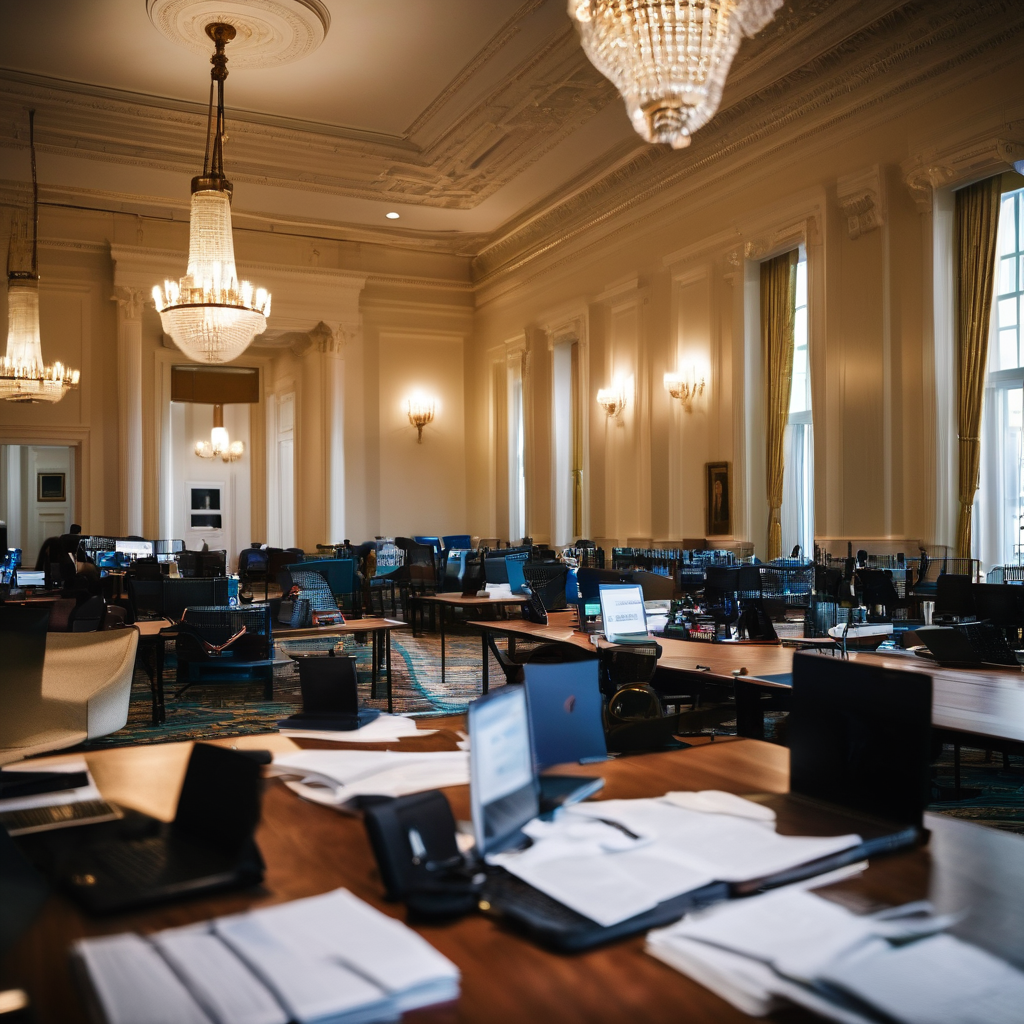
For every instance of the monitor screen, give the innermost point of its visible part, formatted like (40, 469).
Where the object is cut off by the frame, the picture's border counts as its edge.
(503, 789)
(622, 611)
(31, 578)
(134, 548)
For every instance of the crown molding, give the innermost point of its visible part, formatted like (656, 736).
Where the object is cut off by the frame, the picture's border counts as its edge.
(871, 75)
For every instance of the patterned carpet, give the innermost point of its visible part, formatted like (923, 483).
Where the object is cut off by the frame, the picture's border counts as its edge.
(238, 709)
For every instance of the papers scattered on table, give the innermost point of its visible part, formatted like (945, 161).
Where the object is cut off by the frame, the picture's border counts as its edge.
(330, 959)
(337, 777)
(59, 808)
(587, 860)
(791, 946)
(383, 729)
(54, 797)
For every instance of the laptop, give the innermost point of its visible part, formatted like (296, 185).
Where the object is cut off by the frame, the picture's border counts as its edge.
(564, 706)
(138, 860)
(516, 576)
(968, 645)
(330, 699)
(623, 615)
(31, 578)
(844, 715)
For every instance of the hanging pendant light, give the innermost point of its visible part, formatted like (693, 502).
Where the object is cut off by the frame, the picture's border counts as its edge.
(220, 444)
(668, 58)
(23, 375)
(209, 313)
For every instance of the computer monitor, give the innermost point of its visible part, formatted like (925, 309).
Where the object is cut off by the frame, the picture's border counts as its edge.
(516, 578)
(590, 581)
(623, 616)
(954, 595)
(31, 577)
(3, 541)
(495, 571)
(860, 737)
(503, 790)
(1000, 603)
(134, 548)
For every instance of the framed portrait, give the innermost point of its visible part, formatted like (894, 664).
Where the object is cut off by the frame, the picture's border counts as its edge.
(51, 487)
(205, 506)
(719, 498)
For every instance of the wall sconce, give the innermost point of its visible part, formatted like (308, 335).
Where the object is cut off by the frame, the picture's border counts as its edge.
(421, 412)
(685, 389)
(612, 400)
(219, 443)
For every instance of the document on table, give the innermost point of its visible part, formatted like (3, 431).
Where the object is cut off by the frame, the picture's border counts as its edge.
(329, 959)
(383, 729)
(337, 777)
(791, 945)
(56, 797)
(587, 861)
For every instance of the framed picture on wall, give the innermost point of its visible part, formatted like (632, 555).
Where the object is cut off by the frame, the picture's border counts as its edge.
(51, 487)
(719, 499)
(205, 510)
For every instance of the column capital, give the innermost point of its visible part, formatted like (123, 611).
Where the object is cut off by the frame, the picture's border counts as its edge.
(129, 301)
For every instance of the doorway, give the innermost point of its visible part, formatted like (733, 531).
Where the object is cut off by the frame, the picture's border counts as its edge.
(37, 494)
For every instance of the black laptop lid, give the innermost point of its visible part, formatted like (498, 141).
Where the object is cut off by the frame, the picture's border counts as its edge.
(860, 737)
(329, 686)
(220, 798)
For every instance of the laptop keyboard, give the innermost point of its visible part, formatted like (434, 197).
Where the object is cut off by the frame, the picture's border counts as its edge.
(140, 863)
(988, 642)
(514, 896)
(41, 819)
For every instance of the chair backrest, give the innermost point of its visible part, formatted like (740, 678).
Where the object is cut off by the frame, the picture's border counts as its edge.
(146, 597)
(339, 573)
(212, 564)
(390, 557)
(313, 586)
(433, 542)
(547, 580)
(457, 540)
(181, 594)
(88, 616)
(621, 666)
(252, 560)
(217, 623)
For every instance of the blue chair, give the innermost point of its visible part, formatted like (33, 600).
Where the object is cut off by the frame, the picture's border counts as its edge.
(457, 540)
(340, 574)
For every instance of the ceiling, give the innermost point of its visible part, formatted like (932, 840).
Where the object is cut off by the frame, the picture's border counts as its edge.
(467, 117)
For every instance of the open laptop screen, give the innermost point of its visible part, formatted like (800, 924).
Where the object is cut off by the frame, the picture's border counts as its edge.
(622, 611)
(31, 578)
(503, 789)
(134, 548)
(564, 701)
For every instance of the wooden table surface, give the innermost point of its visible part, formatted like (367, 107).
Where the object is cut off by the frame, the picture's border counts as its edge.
(311, 849)
(459, 601)
(371, 624)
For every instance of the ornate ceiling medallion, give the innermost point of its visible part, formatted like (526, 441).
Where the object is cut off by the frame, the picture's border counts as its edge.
(267, 32)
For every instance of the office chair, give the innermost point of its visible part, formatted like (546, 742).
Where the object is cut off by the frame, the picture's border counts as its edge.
(215, 640)
(180, 594)
(547, 580)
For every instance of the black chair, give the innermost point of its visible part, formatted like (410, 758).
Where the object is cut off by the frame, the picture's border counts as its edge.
(252, 569)
(215, 641)
(89, 616)
(145, 599)
(547, 580)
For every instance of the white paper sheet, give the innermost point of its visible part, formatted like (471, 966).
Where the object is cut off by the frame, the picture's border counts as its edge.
(56, 798)
(219, 981)
(384, 729)
(134, 985)
(336, 777)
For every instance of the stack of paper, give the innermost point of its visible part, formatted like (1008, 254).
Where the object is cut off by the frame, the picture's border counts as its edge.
(337, 777)
(383, 729)
(791, 946)
(613, 859)
(329, 959)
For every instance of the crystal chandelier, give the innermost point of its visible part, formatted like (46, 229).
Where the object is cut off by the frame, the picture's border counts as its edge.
(668, 58)
(210, 314)
(23, 376)
(219, 443)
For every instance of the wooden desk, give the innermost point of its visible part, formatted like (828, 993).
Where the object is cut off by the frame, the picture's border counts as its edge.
(447, 601)
(311, 849)
(380, 634)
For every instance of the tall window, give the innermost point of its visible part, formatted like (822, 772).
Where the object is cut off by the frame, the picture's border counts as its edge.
(561, 418)
(798, 480)
(999, 505)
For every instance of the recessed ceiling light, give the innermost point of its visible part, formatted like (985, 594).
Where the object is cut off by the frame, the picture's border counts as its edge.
(392, 215)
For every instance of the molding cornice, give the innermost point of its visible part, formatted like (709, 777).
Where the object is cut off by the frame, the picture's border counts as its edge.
(962, 162)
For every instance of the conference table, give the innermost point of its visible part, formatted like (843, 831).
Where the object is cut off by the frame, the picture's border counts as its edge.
(310, 849)
(970, 702)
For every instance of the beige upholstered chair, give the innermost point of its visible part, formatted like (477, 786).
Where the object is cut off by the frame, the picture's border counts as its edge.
(86, 683)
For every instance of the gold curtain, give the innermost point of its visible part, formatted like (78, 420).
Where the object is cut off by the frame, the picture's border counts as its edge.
(977, 221)
(778, 306)
(577, 442)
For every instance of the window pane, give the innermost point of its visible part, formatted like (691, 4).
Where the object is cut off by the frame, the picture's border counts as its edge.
(1007, 282)
(801, 283)
(1006, 225)
(1007, 349)
(1007, 312)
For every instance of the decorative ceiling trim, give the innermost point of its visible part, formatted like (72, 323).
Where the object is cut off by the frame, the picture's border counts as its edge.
(877, 69)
